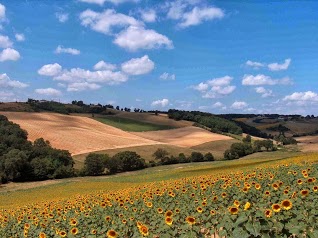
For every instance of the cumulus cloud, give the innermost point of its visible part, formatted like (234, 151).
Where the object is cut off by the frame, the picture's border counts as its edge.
(262, 79)
(167, 76)
(6, 82)
(137, 37)
(138, 66)
(105, 21)
(148, 15)
(278, 67)
(218, 105)
(216, 87)
(61, 17)
(265, 92)
(253, 64)
(19, 37)
(239, 105)
(5, 42)
(78, 75)
(101, 2)
(102, 65)
(162, 103)
(60, 49)
(6, 96)
(190, 15)
(308, 96)
(50, 69)
(9, 54)
(77, 87)
(48, 92)
(2, 12)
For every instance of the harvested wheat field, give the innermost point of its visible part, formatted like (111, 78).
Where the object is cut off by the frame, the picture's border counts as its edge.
(184, 137)
(77, 134)
(308, 143)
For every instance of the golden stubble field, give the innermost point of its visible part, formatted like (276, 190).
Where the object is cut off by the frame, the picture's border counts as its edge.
(82, 135)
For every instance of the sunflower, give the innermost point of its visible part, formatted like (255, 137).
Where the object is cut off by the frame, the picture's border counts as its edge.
(93, 232)
(268, 213)
(304, 192)
(223, 195)
(144, 230)
(286, 204)
(233, 210)
(190, 220)
(199, 209)
(108, 218)
(73, 222)
(168, 213)
(74, 231)
(276, 207)
(310, 180)
(315, 188)
(236, 203)
(42, 235)
(257, 186)
(149, 204)
(111, 234)
(168, 221)
(267, 193)
(26, 226)
(247, 206)
(177, 210)
(275, 186)
(62, 233)
(299, 181)
(213, 212)
(159, 210)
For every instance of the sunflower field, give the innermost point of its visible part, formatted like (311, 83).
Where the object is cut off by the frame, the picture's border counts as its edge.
(279, 199)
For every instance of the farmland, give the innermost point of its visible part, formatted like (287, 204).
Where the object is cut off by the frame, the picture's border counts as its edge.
(259, 197)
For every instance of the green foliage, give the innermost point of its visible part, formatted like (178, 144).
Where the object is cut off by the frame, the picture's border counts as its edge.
(160, 154)
(285, 140)
(215, 123)
(238, 150)
(196, 157)
(129, 161)
(20, 160)
(95, 164)
(208, 157)
(247, 139)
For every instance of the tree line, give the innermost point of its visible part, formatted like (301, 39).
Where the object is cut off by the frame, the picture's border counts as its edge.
(207, 120)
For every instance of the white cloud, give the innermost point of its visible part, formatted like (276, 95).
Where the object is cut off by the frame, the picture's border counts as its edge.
(60, 49)
(198, 15)
(101, 2)
(136, 37)
(9, 54)
(148, 15)
(2, 12)
(216, 87)
(61, 17)
(202, 87)
(78, 75)
(162, 103)
(217, 105)
(6, 96)
(308, 96)
(265, 92)
(5, 42)
(102, 65)
(223, 81)
(77, 87)
(239, 105)
(48, 92)
(138, 66)
(6, 82)
(19, 37)
(50, 69)
(105, 21)
(253, 64)
(277, 67)
(262, 79)
(167, 76)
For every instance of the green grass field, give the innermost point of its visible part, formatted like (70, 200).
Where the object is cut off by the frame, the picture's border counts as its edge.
(131, 125)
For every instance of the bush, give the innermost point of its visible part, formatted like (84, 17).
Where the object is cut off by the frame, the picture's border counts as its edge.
(129, 161)
(94, 164)
(196, 157)
(208, 157)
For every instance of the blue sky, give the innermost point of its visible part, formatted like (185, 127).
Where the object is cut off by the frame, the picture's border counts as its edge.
(215, 56)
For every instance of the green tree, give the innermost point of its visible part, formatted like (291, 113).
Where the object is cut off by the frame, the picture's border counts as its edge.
(208, 157)
(94, 164)
(247, 139)
(43, 168)
(160, 154)
(130, 160)
(196, 157)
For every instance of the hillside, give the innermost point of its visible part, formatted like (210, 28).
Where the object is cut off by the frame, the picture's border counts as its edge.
(76, 134)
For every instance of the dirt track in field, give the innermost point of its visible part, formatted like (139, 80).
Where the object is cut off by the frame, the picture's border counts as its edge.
(184, 137)
(77, 134)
